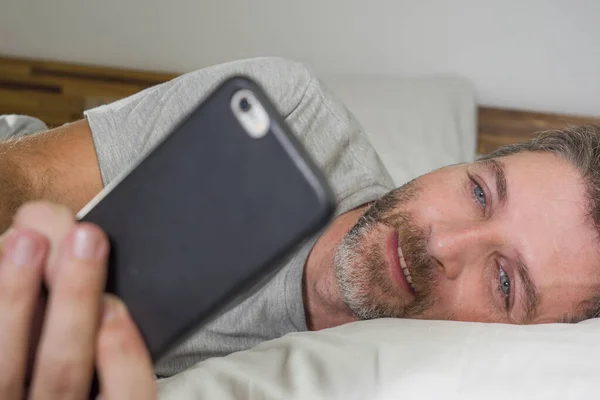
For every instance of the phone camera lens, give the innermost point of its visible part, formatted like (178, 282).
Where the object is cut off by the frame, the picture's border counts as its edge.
(245, 104)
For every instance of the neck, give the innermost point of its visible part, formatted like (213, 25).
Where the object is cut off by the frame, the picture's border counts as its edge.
(323, 304)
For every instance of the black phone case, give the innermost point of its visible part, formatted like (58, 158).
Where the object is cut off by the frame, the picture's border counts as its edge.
(205, 214)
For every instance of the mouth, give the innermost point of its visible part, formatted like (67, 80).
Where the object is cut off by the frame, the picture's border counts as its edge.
(397, 263)
(404, 267)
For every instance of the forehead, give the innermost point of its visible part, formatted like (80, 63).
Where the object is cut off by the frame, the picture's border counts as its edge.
(544, 185)
(546, 219)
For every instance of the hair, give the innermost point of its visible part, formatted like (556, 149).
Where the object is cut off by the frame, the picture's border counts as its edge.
(580, 146)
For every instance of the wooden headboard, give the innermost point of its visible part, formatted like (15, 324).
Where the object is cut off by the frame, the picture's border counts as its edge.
(58, 93)
(497, 127)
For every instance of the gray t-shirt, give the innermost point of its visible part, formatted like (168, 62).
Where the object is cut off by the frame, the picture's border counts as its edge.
(125, 130)
(14, 125)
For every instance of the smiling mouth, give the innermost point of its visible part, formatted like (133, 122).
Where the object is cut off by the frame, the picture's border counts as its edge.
(405, 269)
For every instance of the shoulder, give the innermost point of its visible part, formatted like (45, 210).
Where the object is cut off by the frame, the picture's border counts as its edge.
(126, 129)
(284, 81)
(336, 140)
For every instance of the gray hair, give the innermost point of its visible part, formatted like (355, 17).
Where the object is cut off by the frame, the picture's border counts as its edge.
(580, 146)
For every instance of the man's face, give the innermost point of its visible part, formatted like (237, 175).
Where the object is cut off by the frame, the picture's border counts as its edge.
(507, 240)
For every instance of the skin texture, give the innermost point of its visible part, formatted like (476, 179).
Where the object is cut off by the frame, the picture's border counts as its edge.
(59, 165)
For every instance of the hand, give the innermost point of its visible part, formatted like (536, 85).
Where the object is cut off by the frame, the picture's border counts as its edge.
(81, 328)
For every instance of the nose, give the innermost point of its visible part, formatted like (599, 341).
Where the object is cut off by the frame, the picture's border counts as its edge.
(458, 246)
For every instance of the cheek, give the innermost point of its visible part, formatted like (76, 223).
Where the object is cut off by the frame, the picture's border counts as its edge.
(438, 188)
(466, 298)
(438, 202)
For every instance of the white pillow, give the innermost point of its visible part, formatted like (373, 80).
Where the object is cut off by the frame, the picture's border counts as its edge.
(415, 124)
(406, 359)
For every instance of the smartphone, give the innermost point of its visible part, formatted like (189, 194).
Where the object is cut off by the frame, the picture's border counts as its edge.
(207, 212)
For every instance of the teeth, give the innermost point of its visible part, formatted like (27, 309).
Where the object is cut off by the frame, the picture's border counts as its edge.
(405, 267)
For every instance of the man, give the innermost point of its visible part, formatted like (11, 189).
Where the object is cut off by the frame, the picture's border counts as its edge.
(512, 238)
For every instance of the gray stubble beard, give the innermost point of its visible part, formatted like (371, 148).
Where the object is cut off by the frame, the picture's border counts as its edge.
(361, 270)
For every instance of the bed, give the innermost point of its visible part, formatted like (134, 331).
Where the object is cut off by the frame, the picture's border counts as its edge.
(416, 125)
(58, 93)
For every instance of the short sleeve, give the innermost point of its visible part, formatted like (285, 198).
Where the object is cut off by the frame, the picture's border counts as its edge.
(127, 129)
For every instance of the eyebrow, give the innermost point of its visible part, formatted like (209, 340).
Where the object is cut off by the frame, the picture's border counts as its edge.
(496, 168)
(531, 293)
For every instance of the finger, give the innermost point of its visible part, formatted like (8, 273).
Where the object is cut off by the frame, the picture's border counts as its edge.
(53, 221)
(64, 362)
(123, 362)
(20, 281)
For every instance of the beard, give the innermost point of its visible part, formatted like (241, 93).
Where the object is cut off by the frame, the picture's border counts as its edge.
(361, 270)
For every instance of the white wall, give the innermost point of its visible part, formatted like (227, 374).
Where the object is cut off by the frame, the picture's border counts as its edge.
(532, 54)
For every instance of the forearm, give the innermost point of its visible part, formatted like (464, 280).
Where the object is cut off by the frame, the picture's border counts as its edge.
(59, 165)
(16, 188)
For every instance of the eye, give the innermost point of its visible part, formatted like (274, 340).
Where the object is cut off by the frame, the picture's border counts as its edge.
(479, 195)
(505, 285)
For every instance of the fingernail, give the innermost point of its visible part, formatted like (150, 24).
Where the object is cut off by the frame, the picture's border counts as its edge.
(85, 243)
(22, 250)
(112, 307)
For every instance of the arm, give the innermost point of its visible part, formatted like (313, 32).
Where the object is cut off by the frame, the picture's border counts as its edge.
(58, 165)
(63, 166)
